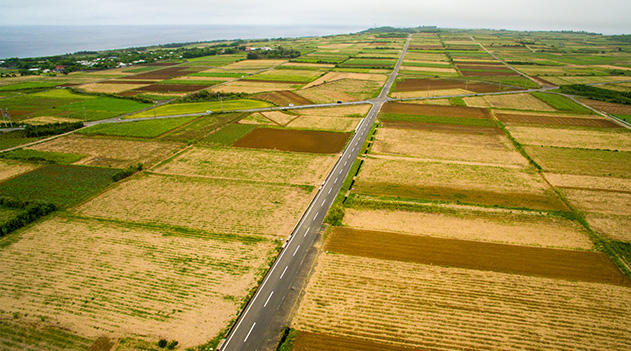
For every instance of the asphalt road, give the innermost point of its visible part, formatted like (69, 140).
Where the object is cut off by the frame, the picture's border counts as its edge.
(252, 326)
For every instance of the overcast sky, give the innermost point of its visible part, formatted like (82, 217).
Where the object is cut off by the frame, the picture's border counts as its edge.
(604, 16)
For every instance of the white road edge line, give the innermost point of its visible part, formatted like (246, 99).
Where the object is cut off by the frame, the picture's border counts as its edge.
(266, 301)
(250, 332)
(296, 250)
(284, 270)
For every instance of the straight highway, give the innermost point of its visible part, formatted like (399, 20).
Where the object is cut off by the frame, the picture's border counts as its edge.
(252, 325)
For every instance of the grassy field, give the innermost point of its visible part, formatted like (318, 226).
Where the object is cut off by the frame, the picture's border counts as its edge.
(202, 107)
(581, 161)
(41, 156)
(229, 134)
(561, 103)
(437, 119)
(138, 129)
(63, 186)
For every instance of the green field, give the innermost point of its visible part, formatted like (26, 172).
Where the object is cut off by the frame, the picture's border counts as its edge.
(28, 86)
(437, 119)
(561, 103)
(201, 127)
(201, 107)
(137, 129)
(229, 134)
(63, 186)
(15, 336)
(41, 156)
(582, 161)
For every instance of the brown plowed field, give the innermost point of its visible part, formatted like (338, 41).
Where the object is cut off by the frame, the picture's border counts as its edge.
(294, 140)
(481, 66)
(128, 82)
(488, 73)
(543, 262)
(560, 121)
(306, 341)
(283, 98)
(435, 110)
(608, 107)
(167, 73)
(163, 88)
(440, 84)
(443, 128)
(465, 196)
(426, 47)
(274, 81)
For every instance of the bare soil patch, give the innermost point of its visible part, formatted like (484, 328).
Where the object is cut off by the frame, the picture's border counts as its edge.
(259, 165)
(437, 308)
(294, 140)
(215, 205)
(283, 98)
(94, 278)
(543, 262)
(502, 227)
(106, 152)
(435, 110)
(165, 73)
(438, 84)
(168, 88)
(560, 120)
(488, 73)
(110, 88)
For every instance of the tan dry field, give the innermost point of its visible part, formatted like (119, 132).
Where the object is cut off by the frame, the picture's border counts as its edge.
(344, 90)
(282, 98)
(614, 227)
(215, 205)
(98, 278)
(428, 69)
(563, 80)
(589, 182)
(248, 87)
(306, 341)
(437, 308)
(608, 106)
(48, 119)
(107, 152)
(256, 118)
(594, 267)
(507, 228)
(333, 76)
(253, 64)
(110, 88)
(427, 94)
(249, 164)
(334, 124)
(612, 139)
(10, 168)
(305, 64)
(312, 141)
(354, 111)
(605, 202)
(456, 182)
(448, 143)
(425, 84)
(575, 120)
(582, 161)
(509, 101)
(278, 117)
(442, 102)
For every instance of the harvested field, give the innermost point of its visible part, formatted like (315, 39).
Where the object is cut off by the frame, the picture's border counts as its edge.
(333, 76)
(171, 88)
(94, 278)
(447, 142)
(344, 90)
(253, 64)
(589, 182)
(283, 98)
(480, 73)
(509, 101)
(437, 308)
(306, 341)
(257, 119)
(215, 205)
(48, 119)
(165, 73)
(333, 124)
(557, 120)
(10, 168)
(609, 107)
(579, 161)
(434, 110)
(614, 227)
(482, 66)
(110, 88)
(503, 227)
(278, 117)
(355, 111)
(294, 140)
(594, 267)
(294, 76)
(106, 152)
(308, 65)
(456, 182)
(29, 335)
(606, 202)
(438, 84)
(612, 139)
(250, 87)
(428, 69)
(259, 165)
(427, 94)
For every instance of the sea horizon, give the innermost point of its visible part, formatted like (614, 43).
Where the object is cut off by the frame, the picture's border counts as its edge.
(25, 41)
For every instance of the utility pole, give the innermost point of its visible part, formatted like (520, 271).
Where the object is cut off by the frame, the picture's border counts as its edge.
(221, 102)
(85, 118)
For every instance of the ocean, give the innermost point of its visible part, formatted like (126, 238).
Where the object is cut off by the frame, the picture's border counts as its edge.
(37, 41)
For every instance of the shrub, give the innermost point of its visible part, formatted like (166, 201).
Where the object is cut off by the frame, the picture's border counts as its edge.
(172, 344)
(122, 174)
(162, 343)
(32, 131)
